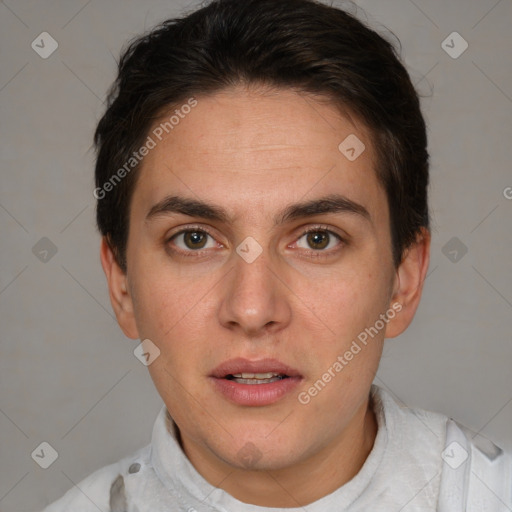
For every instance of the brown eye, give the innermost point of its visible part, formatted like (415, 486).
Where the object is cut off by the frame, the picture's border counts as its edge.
(318, 240)
(192, 240)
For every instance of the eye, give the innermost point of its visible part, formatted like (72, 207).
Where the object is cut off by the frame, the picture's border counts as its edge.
(319, 240)
(193, 240)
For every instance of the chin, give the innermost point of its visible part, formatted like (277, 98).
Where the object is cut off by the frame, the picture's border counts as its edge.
(261, 452)
(252, 458)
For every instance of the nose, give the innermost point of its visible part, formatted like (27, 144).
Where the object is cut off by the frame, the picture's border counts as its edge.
(254, 299)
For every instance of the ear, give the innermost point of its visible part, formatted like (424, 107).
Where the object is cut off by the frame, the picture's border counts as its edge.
(120, 297)
(408, 285)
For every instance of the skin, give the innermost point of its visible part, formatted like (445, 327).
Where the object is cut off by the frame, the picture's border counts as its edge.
(253, 152)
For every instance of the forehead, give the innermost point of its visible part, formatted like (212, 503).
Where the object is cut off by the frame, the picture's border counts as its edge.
(254, 151)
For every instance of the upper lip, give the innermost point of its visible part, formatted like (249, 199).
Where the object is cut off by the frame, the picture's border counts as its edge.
(241, 365)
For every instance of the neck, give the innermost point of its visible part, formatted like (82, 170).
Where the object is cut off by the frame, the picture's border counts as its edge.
(302, 483)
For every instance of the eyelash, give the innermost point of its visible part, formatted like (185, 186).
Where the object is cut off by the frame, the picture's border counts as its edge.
(319, 253)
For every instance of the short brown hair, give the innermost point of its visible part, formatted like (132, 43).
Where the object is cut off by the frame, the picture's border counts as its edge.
(299, 44)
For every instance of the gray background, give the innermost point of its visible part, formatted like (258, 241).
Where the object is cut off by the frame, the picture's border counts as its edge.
(67, 374)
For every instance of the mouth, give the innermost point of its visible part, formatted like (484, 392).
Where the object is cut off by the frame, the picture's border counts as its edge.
(254, 383)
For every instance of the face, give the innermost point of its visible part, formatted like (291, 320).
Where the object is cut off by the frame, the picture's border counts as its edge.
(257, 247)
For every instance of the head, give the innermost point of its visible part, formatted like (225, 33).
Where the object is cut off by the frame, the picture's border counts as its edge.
(261, 179)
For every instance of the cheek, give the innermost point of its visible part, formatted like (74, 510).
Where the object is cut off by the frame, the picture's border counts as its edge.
(176, 313)
(163, 301)
(346, 301)
(346, 359)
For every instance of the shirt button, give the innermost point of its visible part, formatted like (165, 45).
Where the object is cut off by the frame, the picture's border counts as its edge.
(134, 468)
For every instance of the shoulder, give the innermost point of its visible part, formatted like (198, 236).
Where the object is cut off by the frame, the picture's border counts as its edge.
(469, 472)
(96, 491)
(477, 474)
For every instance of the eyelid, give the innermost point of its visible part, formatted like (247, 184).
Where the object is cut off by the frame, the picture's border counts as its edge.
(320, 227)
(187, 228)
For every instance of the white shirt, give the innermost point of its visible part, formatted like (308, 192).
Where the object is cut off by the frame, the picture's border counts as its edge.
(420, 461)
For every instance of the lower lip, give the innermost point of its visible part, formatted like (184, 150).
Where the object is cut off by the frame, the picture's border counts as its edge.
(255, 394)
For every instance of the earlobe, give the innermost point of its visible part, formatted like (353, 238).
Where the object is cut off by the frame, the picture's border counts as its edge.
(119, 292)
(409, 280)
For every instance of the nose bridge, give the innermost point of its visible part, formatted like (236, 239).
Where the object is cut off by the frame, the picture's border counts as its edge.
(253, 299)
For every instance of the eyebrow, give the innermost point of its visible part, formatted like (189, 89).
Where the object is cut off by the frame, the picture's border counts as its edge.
(333, 203)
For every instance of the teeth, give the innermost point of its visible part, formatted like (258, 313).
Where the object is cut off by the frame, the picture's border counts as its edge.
(256, 378)
(255, 375)
(256, 381)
